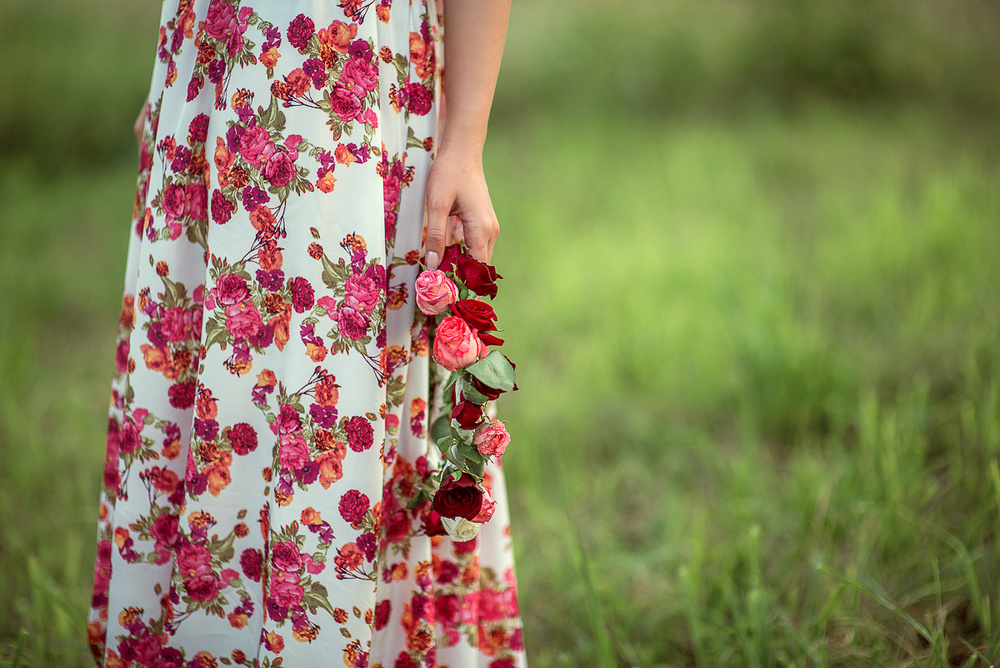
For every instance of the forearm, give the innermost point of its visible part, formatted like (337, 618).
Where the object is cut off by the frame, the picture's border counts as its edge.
(474, 34)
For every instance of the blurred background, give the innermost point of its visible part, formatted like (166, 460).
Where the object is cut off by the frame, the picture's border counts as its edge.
(752, 288)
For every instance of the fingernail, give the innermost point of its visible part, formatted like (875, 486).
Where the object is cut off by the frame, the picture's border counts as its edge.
(432, 260)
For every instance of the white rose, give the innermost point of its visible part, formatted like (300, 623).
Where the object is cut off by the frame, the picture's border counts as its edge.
(460, 529)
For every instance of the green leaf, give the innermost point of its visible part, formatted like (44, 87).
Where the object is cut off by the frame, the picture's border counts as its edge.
(469, 392)
(494, 371)
(440, 428)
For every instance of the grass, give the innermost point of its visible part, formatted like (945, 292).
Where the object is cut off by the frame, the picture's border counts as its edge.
(759, 416)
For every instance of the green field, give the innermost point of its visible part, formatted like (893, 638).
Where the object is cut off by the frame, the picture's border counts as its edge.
(752, 261)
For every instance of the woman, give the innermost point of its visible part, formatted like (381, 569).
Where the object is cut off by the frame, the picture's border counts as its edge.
(272, 397)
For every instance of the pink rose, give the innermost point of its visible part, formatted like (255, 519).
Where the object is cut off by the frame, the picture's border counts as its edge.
(243, 320)
(288, 420)
(293, 453)
(196, 205)
(286, 590)
(173, 200)
(418, 99)
(435, 291)
(219, 19)
(202, 587)
(486, 510)
(491, 439)
(352, 324)
(231, 289)
(344, 103)
(286, 557)
(193, 559)
(279, 170)
(361, 73)
(456, 345)
(364, 291)
(176, 323)
(164, 529)
(253, 142)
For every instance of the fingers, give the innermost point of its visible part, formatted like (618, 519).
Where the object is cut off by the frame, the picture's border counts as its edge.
(480, 236)
(438, 209)
(140, 123)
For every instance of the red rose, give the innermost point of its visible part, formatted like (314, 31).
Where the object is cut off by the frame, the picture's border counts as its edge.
(243, 438)
(478, 276)
(353, 506)
(302, 294)
(468, 414)
(360, 434)
(458, 498)
(450, 257)
(479, 315)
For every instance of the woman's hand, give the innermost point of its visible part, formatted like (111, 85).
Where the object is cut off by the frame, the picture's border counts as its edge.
(456, 187)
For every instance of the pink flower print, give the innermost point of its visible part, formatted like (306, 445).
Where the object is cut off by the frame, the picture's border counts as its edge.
(173, 200)
(253, 142)
(345, 103)
(362, 291)
(292, 146)
(418, 99)
(351, 323)
(195, 206)
(286, 557)
(288, 420)
(130, 440)
(293, 453)
(220, 19)
(360, 73)
(176, 324)
(243, 320)
(204, 587)
(164, 530)
(230, 289)
(279, 170)
(286, 590)
(193, 558)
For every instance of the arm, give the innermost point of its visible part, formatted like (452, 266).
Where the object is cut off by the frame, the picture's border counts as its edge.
(474, 32)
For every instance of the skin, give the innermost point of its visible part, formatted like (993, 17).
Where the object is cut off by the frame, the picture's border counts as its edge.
(474, 33)
(458, 201)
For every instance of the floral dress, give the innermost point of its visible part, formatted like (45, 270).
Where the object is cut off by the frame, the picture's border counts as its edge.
(273, 390)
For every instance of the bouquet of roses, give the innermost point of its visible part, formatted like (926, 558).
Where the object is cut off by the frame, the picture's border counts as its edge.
(465, 435)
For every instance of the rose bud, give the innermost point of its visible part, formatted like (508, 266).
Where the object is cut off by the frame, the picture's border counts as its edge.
(478, 276)
(467, 414)
(486, 510)
(435, 292)
(491, 439)
(458, 498)
(455, 344)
